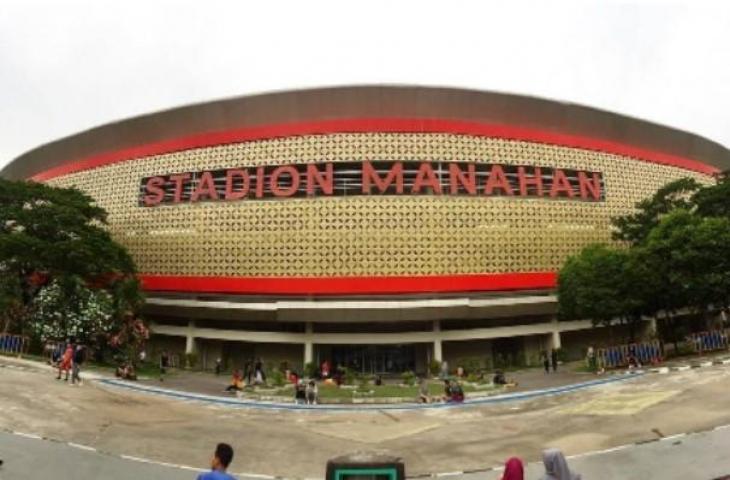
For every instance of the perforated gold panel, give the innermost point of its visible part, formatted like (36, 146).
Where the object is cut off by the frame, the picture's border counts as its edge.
(366, 235)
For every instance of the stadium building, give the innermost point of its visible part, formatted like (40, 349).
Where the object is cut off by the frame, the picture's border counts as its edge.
(379, 227)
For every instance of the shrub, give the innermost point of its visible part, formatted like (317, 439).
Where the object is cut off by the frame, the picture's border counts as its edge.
(409, 378)
(434, 367)
(348, 376)
(470, 365)
(277, 378)
(191, 359)
(311, 370)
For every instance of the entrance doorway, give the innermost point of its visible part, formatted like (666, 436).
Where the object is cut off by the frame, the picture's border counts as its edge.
(375, 359)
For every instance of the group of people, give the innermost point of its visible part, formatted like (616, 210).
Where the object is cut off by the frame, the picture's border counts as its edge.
(68, 360)
(556, 467)
(306, 393)
(453, 391)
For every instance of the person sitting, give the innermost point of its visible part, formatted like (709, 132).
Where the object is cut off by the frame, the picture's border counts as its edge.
(514, 469)
(499, 378)
(556, 467)
(447, 390)
(126, 371)
(457, 393)
(236, 382)
(312, 393)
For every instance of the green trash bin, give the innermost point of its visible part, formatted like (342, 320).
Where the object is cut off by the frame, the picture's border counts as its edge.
(366, 466)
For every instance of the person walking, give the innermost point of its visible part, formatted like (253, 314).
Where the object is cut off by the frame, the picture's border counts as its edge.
(514, 469)
(164, 364)
(218, 366)
(222, 458)
(66, 361)
(78, 360)
(545, 361)
(556, 467)
(554, 359)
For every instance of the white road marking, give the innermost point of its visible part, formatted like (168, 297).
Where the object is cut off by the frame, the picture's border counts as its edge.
(28, 435)
(81, 447)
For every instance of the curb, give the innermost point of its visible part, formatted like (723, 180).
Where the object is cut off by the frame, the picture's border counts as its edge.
(237, 403)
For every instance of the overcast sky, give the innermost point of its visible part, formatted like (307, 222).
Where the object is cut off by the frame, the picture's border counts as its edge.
(66, 66)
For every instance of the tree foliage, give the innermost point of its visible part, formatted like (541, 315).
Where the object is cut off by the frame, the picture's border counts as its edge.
(677, 258)
(59, 266)
(634, 228)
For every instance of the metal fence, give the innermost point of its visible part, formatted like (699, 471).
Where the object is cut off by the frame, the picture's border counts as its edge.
(14, 344)
(709, 341)
(619, 355)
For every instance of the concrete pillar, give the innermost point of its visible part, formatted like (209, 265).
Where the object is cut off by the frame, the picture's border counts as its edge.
(308, 344)
(190, 345)
(437, 351)
(555, 342)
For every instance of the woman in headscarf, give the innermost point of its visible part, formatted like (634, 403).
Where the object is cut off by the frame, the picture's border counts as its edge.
(556, 468)
(513, 470)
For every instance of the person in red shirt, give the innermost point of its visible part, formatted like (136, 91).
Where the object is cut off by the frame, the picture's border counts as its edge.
(66, 362)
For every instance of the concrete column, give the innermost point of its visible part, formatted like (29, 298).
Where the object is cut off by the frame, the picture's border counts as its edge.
(190, 346)
(555, 342)
(308, 344)
(437, 352)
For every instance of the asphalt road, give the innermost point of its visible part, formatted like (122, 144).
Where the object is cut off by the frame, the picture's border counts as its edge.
(295, 444)
(702, 456)
(33, 459)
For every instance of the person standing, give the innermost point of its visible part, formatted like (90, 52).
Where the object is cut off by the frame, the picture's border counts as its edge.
(219, 464)
(312, 393)
(546, 361)
(423, 391)
(444, 370)
(218, 366)
(554, 359)
(78, 360)
(164, 364)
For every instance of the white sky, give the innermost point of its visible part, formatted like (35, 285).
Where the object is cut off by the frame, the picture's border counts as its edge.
(66, 66)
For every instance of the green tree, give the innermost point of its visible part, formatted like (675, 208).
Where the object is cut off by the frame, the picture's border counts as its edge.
(714, 200)
(604, 285)
(634, 228)
(693, 255)
(56, 237)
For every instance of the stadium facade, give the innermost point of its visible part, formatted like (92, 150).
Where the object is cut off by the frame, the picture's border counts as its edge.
(380, 227)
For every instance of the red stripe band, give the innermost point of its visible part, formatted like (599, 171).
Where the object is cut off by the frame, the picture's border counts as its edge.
(352, 285)
(367, 125)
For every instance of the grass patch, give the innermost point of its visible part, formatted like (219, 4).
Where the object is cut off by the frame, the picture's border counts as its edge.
(435, 389)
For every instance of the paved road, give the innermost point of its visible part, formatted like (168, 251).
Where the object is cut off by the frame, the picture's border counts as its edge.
(702, 456)
(297, 444)
(32, 459)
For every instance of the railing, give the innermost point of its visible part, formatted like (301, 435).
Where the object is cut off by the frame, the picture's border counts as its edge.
(708, 341)
(619, 355)
(14, 344)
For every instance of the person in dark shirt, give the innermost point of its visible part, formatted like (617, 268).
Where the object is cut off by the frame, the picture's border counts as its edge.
(164, 364)
(554, 359)
(219, 464)
(78, 360)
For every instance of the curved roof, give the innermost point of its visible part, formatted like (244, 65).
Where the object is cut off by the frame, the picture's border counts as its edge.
(370, 102)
